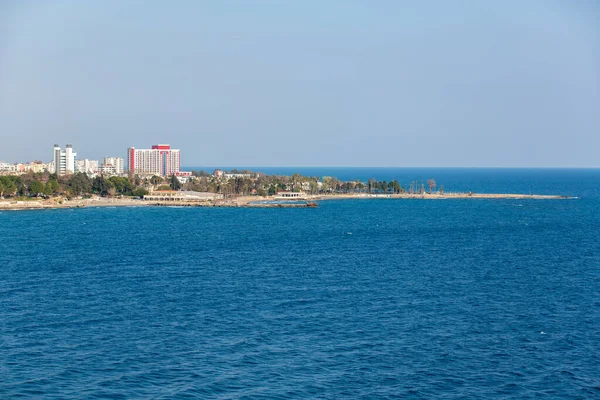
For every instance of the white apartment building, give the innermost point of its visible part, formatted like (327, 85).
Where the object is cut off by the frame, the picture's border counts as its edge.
(89, 167)
(112, 165)
(64, 161)
(6, 167)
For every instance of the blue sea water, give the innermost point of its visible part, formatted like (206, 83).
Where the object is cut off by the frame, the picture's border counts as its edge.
(377, 298)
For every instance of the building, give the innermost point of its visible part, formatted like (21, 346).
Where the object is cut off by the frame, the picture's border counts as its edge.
(37, 166)
(6, 167)
(20, 168)
(287, 195)
(219, 173)
(235, 176)
(112, 166)
(64, 161)
(160, 160)
(86, 166)
(108, 169)
(185, 195)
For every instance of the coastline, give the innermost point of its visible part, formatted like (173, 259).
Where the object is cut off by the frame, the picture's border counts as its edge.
(255, 201)
(445, 196)
(50, 204)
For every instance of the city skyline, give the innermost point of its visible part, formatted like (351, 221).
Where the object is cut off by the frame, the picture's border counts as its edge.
(123, 166)
(48, 159)
(160, 160)
(507, 84)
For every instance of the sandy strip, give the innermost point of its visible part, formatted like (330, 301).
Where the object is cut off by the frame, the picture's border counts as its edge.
(436, 196)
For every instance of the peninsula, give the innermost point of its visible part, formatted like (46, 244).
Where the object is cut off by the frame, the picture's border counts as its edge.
(244, 201)
(34, 191)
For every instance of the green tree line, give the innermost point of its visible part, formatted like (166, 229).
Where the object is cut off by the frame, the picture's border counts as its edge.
(80, 184)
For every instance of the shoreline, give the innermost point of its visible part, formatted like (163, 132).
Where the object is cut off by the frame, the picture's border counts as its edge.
(446, 196)
(255, 201)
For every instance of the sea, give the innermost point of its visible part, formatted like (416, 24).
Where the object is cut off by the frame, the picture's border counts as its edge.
(366, 298)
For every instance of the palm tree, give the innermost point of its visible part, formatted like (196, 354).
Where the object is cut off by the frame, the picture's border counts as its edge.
(156, 180)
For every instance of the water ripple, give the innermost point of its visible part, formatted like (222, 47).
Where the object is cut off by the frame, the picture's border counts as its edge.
(448, 300)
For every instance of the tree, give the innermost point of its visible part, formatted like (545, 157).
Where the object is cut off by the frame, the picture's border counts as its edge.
(140, 192)
(349, 187)
(79, 184)
(335, 184)
(156, 180)
(175, 184)
(297, 182)
(47, 190)
(21, 189)
(36, 188)
(371, 184)
(326, 184)
(314, 186)
(122, 185)
(99, 186)
(52, 187)
(399, 187)
(201, 174)
(431, 184)
(8, 186)
(11, 189)
(394, 186)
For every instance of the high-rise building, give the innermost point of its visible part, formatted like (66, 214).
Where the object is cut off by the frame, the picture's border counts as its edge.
(64, 161)
(160, 160)
(112, 166)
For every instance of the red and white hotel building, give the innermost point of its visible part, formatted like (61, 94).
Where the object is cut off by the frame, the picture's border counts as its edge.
(160, 160)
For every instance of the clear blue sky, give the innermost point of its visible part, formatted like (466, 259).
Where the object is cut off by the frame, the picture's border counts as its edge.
(259, 82)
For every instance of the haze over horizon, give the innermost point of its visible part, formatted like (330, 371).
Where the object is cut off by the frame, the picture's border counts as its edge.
(266, 83)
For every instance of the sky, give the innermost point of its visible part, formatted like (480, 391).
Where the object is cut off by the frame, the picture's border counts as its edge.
(305, 83)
